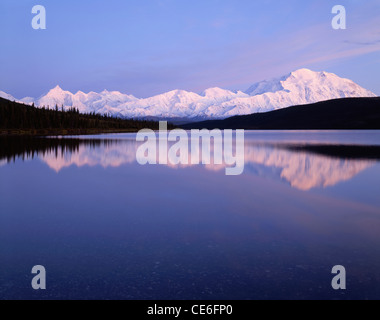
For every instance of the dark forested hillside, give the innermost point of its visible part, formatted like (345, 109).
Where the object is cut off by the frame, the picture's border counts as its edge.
(348, 113)
(20, 118)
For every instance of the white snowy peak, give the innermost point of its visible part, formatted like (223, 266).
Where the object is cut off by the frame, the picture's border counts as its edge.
(104, 102)
(305, 80)
(302, 86)
(7, 96)
(54, 97)
(299, 87)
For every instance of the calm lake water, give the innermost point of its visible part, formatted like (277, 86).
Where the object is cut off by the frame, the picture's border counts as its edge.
(106, 227)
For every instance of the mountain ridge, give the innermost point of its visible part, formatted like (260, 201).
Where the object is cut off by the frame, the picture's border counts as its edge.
(299, 87)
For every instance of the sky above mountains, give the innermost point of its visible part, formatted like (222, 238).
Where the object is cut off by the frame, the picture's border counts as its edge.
(146, 47)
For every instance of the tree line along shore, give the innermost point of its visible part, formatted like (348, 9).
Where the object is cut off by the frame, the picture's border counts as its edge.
(21, 119)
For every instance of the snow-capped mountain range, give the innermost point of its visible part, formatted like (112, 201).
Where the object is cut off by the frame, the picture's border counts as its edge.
(299, 87)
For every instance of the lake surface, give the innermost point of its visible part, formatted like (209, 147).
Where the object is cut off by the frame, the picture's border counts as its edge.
(105, 227)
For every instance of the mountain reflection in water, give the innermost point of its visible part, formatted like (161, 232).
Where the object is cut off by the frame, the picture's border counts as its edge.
(304, 166)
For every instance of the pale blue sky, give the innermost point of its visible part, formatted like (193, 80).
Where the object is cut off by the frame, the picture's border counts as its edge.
(146, 47)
